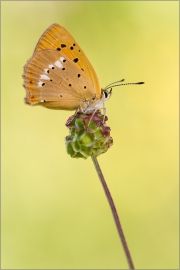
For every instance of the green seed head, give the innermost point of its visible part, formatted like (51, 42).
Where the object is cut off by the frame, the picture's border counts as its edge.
(87, 135)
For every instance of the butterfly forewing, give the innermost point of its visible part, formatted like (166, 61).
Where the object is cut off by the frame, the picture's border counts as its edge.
(53, 80)
(58, 38)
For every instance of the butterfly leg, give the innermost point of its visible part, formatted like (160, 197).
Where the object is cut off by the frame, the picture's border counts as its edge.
(91, 117)
(79, 109)
(104, 112)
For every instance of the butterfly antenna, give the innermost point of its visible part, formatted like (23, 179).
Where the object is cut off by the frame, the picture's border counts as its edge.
(118, 83)
(109, 85)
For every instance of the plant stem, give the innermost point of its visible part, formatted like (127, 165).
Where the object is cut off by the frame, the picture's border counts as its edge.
(114, 212)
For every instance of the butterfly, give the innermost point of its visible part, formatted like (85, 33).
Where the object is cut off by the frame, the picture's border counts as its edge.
(59, 75)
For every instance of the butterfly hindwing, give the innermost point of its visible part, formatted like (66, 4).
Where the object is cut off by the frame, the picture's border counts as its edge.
(52, 80)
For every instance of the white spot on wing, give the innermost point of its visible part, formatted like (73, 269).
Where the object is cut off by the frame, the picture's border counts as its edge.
(51, 66)
(46, 70)
(42, 100)
(40, 84)
(62, 58)
(45, 77)
(58, 64)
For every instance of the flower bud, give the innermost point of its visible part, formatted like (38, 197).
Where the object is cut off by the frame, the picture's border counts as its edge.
(87, 134)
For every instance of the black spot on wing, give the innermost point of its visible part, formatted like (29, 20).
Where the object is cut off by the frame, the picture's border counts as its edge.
(76, 60)
(63, 45)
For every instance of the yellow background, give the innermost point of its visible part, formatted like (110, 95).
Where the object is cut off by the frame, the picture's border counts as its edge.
(54, 211)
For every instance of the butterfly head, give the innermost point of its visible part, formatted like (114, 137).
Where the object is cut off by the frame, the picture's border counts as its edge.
(96, 104)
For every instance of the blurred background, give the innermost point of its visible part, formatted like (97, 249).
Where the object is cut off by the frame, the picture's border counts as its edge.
(54, 211)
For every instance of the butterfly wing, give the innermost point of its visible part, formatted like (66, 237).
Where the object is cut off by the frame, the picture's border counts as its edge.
(54, 81)
(58, 38)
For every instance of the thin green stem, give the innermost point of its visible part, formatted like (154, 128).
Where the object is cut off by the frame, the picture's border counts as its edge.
(114, 212)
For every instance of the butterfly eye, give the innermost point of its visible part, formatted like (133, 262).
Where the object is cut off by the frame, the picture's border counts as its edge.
(105, 94)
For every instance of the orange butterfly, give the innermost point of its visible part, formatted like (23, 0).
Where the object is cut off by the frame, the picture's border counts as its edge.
(59, 75)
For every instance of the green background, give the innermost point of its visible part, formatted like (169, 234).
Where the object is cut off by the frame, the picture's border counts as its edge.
(54, 211)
